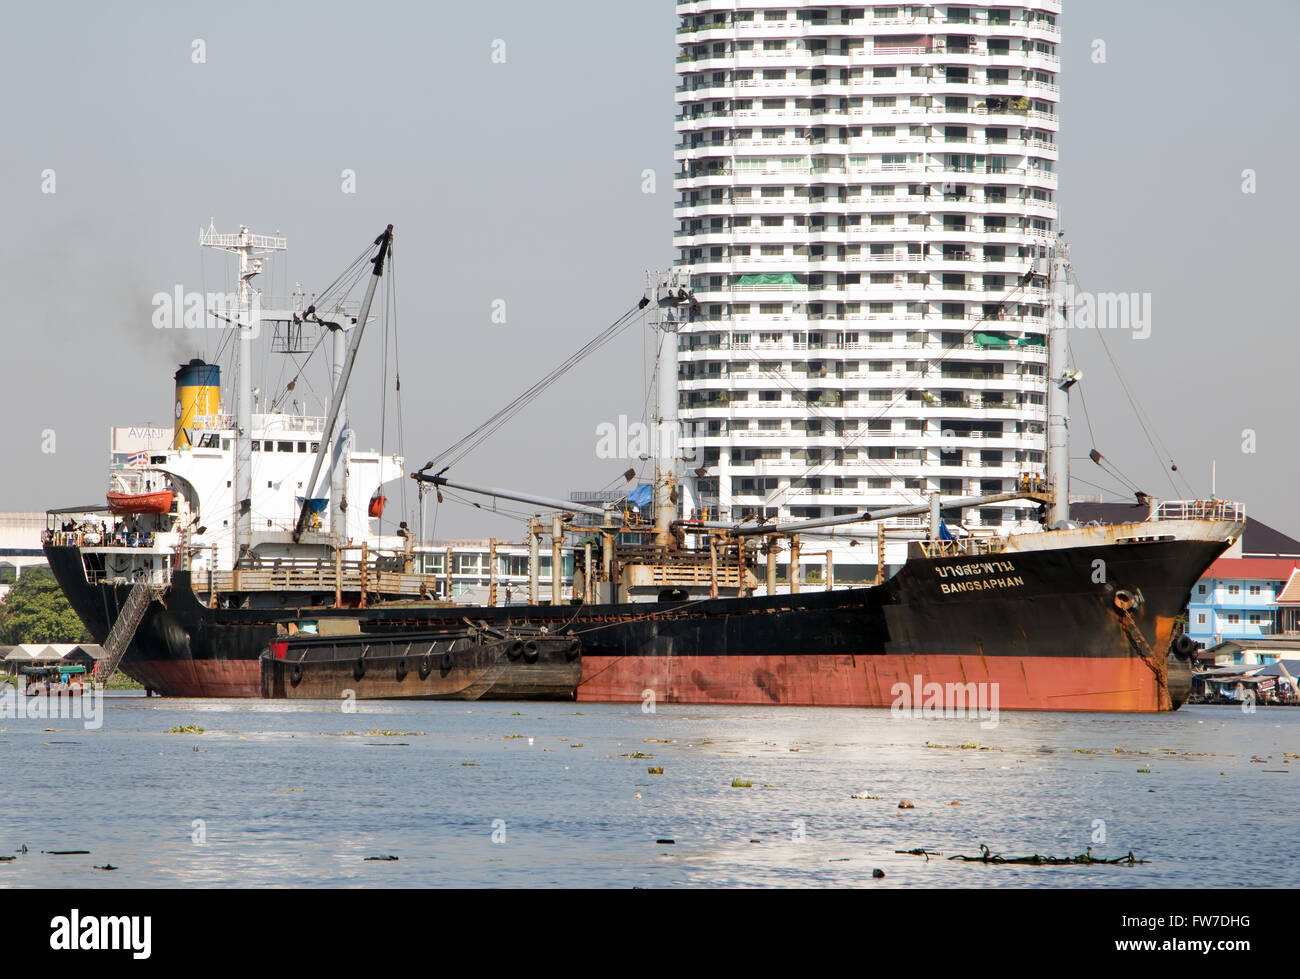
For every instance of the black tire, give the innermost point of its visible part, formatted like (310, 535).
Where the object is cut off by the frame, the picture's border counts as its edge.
(359, 667)
(515, 649)
(402, 669)
(426, 665)
(531, 652)
(1184, 646)
(445, 663)
(574, 650)
(295, 674)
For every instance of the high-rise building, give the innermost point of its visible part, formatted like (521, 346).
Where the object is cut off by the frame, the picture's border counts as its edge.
(860, 194)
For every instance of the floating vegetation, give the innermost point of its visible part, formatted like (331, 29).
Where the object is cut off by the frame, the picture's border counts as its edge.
(511, 737)
(907, 804)
(1085, 751)
(384, 859)
(877, 873)
(1037, 860)
(665, 842)
(964, 746)
(577, 746)
(394, 734)
(921, 851)
(739, 783)
(184, 729)
(1144, 771)
(469, 764)
(656, 771)
(107, 866)
(637, 754)
(865, 795)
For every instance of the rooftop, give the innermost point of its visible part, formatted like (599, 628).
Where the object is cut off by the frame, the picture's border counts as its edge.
(1253, 568)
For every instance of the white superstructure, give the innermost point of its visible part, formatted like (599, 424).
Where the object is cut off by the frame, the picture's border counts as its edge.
(860, 190)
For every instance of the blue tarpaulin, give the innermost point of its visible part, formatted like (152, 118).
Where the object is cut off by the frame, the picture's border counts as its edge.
(643, 495)
(945, 533)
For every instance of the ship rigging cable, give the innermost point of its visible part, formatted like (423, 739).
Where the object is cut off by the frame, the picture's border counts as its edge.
(1144, 422)
(474, 439)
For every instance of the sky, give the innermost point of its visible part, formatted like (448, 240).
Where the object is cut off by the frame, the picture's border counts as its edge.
(507, 143)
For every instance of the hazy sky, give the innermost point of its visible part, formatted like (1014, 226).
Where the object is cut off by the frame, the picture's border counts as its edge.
(522, 182)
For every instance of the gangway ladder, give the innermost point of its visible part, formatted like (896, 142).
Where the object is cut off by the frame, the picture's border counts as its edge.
(128, 620)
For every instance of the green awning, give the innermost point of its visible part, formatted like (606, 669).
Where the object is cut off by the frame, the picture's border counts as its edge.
(783, 279)
(993, 339)
(1034, 340)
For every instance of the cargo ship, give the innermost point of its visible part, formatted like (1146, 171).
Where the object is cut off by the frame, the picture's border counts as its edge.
(669, 610)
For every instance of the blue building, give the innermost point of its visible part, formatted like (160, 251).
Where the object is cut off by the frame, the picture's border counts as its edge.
(1237, 599)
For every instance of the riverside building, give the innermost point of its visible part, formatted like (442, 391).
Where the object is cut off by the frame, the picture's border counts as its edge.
(860, 190)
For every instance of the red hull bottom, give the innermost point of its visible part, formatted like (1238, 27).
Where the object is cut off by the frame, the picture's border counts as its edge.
(1009, 682)
(1022, 683)
(235, 678)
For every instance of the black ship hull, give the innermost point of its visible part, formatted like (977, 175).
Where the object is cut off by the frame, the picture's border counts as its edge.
(1040, 628)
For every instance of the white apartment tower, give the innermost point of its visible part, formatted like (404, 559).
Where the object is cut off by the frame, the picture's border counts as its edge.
(861, 191)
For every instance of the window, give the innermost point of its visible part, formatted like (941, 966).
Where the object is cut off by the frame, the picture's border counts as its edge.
(1234, 589)
(1200, 618)
(257, 445)
(1254, 589)
(284, 447)
(1234, 619)
(1200, 589)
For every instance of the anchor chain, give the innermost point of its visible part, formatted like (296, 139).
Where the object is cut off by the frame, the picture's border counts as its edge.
(1158, 666)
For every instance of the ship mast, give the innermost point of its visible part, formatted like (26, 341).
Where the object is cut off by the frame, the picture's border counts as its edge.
(1060, 380)
(670, 292)
(249, 248)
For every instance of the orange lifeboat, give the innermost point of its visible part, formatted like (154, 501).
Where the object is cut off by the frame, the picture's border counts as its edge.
(124, 504)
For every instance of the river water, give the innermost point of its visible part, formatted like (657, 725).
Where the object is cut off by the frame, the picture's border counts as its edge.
(527, 795)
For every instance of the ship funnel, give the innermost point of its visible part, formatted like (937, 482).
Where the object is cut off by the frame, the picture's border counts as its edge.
(198, 395)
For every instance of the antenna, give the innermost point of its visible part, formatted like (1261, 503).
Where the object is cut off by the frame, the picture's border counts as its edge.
(250, 248)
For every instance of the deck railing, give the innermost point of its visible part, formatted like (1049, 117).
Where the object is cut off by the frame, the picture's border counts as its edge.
(1224, 510)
